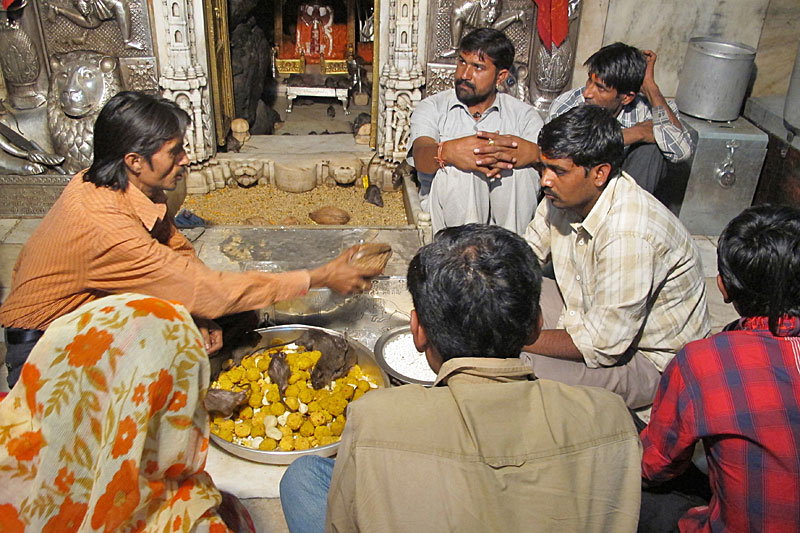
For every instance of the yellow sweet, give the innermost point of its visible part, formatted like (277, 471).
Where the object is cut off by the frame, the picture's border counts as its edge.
(363, 386)
(252, 374)
(263, 364)
(292, 403)
(301, 443)
(267, 445)
(243, 429)
(357, 394)
(286, 431)
(307, 429)
(306, 395)
(294, 421)
(257, 429)
(248, 362)
(287, 443)
(277, 409)
(322, 431)
(305, 362)
(273, 395)
(313, 407)
(337, 426)
(324, 441)
(292, 391)
(246, 412)
(317, 418)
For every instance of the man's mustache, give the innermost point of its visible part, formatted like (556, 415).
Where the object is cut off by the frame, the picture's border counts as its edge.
(465, 82)
(549, 191)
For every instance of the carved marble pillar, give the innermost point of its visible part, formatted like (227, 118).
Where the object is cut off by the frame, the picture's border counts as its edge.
(401, 81)
(183, 70)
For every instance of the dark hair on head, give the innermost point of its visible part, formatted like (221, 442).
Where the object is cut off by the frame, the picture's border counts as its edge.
(758, 257)
(588, 134)
(132, 122)
(493, 43)
(619, 66)
(476, 291)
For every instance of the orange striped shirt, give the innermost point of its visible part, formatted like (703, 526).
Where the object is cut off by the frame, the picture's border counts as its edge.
(96, 241)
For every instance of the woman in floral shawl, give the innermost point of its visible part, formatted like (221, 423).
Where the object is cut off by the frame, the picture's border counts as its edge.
(106, 430)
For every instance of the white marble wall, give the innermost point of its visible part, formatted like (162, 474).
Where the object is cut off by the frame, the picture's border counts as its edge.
(777, 48)
(667, 26)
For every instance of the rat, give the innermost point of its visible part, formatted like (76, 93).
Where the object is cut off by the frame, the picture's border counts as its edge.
(373, 195)
(279, 371)
(224, 402)
(336, 360)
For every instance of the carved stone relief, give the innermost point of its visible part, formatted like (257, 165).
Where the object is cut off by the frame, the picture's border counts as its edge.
(450, 20)
(19, 60)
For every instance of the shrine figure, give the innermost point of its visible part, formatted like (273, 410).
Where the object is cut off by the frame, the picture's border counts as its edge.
(473, 14)
(90, 14)
(314, 34)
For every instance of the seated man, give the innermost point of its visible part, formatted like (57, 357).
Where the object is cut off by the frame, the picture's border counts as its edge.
(109, 232)
(627, 270)
(488, 448)
(739, 391)
(652, 132)
(473, 139)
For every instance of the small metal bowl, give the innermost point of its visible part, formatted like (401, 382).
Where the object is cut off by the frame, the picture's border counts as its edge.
(381, 359)
(285, 334)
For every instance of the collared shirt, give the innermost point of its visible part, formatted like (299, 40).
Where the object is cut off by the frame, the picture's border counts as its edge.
(484, 455)
(630, 275)
(674, 142)
(442, 117)
(738, 392)
(95, 241)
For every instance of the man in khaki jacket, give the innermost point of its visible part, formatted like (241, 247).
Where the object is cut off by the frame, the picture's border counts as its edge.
(489, 447)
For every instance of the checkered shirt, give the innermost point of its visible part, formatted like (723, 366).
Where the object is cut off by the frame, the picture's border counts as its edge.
(629, 273)
(738, 392)
(674, 142)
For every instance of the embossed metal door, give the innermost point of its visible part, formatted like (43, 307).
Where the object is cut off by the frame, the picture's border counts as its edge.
(219, 58)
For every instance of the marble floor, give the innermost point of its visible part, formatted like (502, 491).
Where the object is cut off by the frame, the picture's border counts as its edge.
(221, 248)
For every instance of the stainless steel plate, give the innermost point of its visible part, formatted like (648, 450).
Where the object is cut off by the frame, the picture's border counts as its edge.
(282, 334)
(379, 357)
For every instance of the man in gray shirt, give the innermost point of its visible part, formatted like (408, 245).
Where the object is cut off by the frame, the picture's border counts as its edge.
(469, 143)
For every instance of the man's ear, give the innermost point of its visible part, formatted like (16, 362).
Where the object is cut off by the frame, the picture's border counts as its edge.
(418, 332)
(723, 290)
(537, 329)
(600, 174)
(133, 162)
(627, 98)
(501, 77)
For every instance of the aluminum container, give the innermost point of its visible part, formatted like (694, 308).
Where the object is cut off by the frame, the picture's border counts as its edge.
(791, 108)
(285, 334)
(714, 79)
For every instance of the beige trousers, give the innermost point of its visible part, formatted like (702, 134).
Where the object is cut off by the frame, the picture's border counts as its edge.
(636, 381)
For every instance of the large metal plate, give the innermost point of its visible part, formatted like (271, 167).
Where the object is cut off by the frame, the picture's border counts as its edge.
(280, 335)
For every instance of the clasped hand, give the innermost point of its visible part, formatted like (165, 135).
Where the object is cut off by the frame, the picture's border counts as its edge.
(490, 153)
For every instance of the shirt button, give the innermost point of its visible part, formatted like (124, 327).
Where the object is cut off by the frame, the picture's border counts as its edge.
(578, 277)
(580, 242)
(572, 313)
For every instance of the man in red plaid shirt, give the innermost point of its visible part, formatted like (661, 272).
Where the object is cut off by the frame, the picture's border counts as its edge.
(739, 391)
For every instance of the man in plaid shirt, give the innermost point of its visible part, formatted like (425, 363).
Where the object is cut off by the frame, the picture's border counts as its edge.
(739, 391)
(621, 79)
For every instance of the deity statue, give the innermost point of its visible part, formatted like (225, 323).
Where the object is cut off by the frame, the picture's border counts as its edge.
(90, 14)
(401, 123)
(475, 14)
(315, 30)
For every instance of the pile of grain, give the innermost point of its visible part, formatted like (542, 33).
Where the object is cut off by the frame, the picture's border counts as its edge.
(266, 205)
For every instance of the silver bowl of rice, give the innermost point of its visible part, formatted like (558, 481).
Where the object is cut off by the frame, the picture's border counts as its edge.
(396, 354)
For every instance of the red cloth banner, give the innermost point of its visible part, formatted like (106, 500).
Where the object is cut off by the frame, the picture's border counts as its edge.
(552, 21)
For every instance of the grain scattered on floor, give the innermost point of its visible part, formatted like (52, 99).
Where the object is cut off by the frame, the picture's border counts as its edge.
(266, 205)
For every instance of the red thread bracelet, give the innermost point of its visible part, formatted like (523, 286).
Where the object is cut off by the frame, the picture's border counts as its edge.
(439, 156)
